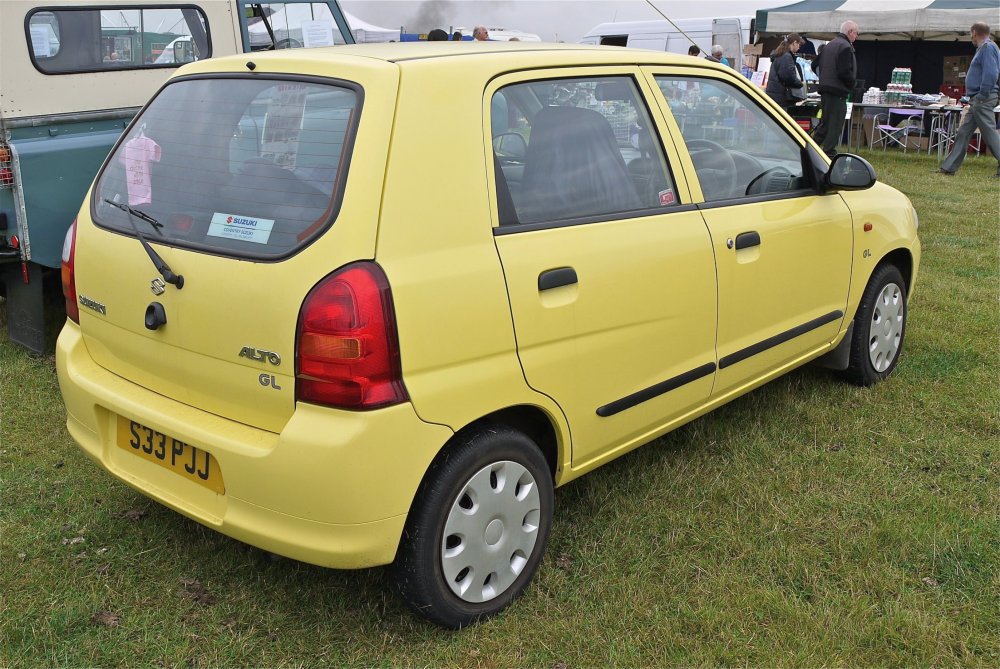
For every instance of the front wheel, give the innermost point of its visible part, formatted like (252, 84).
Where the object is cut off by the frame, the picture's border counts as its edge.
(879, 328)
(478, 528)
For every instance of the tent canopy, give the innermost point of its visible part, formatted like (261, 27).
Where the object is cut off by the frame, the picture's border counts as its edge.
(367, 32)
(940, 20)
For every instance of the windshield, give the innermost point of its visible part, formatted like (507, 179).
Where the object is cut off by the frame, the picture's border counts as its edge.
(239, 166)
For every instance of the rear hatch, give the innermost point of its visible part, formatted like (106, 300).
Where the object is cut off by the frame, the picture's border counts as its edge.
(252, 187)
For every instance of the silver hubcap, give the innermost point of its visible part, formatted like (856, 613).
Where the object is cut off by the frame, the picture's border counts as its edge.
(886, 331)
(490, 532)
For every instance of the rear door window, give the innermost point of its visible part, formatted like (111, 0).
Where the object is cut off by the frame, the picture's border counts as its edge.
(581, 148)
(89, 39)
(238, 166)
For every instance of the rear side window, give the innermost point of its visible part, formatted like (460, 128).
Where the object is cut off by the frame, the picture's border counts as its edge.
(239, 166)
(89, 39)
(576, 149)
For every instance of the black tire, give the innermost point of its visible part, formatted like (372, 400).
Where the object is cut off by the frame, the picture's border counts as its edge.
(879, 328)
(421, 563)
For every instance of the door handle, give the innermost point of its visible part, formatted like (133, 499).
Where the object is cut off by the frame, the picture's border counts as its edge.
(745, 240)
(554, 278)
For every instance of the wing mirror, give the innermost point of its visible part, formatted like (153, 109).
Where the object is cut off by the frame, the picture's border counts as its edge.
(510, 145)
(846, 172)
(850, 172)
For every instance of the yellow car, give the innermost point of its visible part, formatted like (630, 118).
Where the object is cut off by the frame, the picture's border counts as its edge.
(370, 304)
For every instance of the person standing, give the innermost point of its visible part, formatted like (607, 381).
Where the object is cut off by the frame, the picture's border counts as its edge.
(717, 55)
(480, 33)
(838, 71)
(784, 75)
(981, 89)
(693, 50)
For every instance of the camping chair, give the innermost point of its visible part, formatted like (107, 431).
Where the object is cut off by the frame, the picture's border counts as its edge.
(887, 134)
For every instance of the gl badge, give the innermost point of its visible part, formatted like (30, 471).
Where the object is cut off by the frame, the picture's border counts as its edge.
(157, 286)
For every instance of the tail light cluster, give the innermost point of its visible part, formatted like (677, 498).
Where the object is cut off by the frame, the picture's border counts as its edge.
(69, 274)
(347, 347)
(6, 167)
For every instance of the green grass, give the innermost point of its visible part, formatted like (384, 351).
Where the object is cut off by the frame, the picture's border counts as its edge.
(810, 523)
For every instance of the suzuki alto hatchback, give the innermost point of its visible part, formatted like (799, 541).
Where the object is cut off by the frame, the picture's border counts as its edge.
(369, 305)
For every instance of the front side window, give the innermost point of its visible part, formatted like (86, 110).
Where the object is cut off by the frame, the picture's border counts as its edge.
(243, 167)
(291, 25)
(63, 41)
(576, 148)
(738, 148)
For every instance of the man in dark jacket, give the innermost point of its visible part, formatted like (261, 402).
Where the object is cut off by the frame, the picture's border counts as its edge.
(837, 70)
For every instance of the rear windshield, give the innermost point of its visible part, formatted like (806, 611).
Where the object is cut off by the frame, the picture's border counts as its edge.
(242, 167)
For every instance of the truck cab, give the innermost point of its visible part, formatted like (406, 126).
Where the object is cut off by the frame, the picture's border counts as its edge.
(75, 74)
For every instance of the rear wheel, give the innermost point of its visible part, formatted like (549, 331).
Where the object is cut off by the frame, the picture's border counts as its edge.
(879, 328)
(478, 528)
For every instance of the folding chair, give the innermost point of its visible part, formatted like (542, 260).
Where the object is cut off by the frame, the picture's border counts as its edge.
(886, 134)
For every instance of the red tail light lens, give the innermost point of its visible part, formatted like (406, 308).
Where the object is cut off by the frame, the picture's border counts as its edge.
(69, 274)
(347, 347)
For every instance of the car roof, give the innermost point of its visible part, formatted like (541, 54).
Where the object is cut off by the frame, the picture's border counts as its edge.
(497, 56)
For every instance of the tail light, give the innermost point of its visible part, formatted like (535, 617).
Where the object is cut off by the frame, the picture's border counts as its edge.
(69, 274)
(347, 347)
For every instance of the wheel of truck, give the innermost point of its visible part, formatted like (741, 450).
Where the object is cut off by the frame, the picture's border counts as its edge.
(478, 528)
(879, 328)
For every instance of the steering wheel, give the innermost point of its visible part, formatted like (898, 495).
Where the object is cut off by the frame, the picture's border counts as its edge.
(708, 155)
(778, 176)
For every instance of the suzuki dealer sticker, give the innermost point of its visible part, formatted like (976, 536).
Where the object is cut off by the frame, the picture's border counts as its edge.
(244, 228)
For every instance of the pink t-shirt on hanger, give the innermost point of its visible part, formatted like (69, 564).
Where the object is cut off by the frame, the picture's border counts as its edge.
(140, 152)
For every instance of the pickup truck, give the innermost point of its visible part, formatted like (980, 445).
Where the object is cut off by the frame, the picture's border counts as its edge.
(74, 75)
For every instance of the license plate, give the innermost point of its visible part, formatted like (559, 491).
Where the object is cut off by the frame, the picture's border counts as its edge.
(192, 463)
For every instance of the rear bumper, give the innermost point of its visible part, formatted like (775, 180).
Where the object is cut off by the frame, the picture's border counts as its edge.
(332, 488)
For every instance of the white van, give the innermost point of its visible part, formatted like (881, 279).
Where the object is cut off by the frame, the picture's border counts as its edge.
(732, 33)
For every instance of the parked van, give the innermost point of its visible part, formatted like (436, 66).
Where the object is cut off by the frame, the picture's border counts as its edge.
(74, 73)
(732, 33)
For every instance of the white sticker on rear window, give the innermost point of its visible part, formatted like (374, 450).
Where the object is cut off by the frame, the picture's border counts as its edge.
(244, 228)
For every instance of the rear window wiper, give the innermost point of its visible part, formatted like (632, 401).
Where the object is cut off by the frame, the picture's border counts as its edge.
(158, 262)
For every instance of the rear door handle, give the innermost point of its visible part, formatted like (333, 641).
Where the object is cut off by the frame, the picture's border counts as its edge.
(554, 278)
(745, 240)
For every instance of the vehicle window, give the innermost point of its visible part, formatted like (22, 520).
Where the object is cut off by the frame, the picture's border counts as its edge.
(63, 41)
(576, 148)
(737, 147)
(246, 167)
(291, 25)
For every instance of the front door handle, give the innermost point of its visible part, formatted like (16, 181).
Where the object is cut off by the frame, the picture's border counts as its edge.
(555, 278)
(745, 240)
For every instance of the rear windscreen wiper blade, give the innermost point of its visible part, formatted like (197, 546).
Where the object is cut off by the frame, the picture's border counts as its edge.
(138, 214)
(158, 262)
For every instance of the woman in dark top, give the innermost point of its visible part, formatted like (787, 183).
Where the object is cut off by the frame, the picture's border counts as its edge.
(785, 73)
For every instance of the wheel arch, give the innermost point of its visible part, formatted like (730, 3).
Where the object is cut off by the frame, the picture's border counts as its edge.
(902, 258)
(532, 420)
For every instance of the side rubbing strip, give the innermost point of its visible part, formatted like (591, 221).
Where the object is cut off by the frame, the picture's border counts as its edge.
(654, 391)
(771, 342)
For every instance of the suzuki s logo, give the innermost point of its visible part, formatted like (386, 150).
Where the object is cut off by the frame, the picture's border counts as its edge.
(157, 286)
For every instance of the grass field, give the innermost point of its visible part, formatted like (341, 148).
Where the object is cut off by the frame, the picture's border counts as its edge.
(810, 523)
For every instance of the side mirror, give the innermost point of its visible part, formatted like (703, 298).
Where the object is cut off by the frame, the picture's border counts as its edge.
(184, 52)
(850, 172)
(510, 145)
(846, 172)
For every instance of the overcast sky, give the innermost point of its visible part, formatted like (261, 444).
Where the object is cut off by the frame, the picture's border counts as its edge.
(552, 20)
